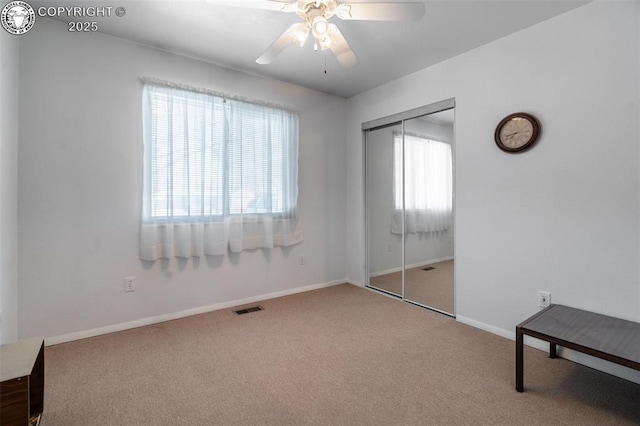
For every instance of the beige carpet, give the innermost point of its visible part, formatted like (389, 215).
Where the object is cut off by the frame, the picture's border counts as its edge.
(433, 288)
(337, 356)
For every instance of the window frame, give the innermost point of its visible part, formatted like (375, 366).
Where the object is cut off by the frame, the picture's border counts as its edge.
(290, 156)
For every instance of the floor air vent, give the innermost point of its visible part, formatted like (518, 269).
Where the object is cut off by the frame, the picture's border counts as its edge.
(428, 268)
(249, 310)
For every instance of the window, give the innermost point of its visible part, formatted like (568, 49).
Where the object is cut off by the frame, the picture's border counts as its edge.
(216, 161)
(427, 183)
(208, 156)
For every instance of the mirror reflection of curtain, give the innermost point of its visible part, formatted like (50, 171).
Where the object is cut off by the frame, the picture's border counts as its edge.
(427, 184)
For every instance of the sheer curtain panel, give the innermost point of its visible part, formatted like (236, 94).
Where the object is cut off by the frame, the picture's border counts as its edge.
(219, 174)
(428, 185)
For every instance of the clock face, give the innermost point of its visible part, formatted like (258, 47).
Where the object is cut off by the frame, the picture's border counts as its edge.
(517, 132)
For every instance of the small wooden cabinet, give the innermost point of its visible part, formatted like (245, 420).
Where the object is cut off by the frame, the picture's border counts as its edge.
(22, 382)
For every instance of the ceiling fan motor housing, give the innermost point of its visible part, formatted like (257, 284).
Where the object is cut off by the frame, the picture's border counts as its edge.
(308, 10)
(315, 15)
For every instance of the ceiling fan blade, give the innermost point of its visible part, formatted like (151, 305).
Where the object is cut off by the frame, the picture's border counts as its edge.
(295, 34)
(277, 5)
(381, 11)
(340, 48)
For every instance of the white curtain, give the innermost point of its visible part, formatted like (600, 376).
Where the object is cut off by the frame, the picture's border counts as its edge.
(428, 186)
(219, 174)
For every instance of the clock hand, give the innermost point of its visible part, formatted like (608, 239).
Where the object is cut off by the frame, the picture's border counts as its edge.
(511, 134)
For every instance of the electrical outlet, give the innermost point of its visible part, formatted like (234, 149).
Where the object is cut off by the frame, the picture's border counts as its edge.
(390, 247)
(544, 299)
(130, 284)
(301, 260)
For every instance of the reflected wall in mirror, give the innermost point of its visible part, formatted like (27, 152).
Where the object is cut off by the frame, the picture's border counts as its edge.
(385, 247)
(409, 208)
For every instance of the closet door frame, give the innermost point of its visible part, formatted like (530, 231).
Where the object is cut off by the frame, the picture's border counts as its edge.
(379, 123)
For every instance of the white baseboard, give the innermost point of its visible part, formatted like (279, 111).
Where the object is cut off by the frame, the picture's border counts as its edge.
(54, 340)
(354, 282)
(486, 327)
(577, 357)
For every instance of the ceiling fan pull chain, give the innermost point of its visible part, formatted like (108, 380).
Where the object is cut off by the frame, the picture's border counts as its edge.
(325, 61)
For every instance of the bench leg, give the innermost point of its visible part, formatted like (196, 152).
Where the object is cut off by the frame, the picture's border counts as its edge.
(519, 361)
(552, 350)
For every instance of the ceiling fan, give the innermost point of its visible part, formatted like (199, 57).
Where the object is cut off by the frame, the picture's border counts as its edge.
(315, 16)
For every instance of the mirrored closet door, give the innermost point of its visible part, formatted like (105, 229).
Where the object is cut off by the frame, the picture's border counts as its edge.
(409, 185)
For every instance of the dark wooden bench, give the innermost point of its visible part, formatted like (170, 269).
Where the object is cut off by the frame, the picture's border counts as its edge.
(22, 382)
(602, 336)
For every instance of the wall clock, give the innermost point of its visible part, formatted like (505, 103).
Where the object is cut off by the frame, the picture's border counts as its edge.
(517, 132)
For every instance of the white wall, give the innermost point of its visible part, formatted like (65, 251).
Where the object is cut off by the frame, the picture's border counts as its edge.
(563, 217)
(80, 188)
(638, 86)
(8, 187)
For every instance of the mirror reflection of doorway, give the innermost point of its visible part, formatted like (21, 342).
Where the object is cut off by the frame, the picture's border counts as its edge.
(409, 206)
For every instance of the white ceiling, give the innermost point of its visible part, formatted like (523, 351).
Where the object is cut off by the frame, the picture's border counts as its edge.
(234, 37)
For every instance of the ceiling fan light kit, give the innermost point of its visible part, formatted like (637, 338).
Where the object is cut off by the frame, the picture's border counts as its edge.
(319, 27)
(316, 14)
(299, 34)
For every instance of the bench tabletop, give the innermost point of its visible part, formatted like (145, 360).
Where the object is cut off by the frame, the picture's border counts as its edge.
(17, 359)
(614, 336)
